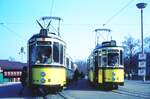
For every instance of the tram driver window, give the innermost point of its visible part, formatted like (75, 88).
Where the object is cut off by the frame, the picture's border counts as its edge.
(44, 54)
(113, 59)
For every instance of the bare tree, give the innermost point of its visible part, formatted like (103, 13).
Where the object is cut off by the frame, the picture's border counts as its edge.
(131, 47)
(147, 44)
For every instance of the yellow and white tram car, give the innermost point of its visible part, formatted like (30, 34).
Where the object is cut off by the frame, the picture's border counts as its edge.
(105, 65)
(46, 58)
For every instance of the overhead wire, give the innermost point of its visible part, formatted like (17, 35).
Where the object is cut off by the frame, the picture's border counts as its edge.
(51, 12)
(10, 30)
(51, 9)
(118, 12)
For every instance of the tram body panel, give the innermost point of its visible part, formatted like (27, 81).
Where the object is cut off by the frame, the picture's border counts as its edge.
(100, 76)
(114, 75)
(91, 76)
(53, 76)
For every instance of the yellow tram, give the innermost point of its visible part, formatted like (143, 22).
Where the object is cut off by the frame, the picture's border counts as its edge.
(105, 65)
(47, 59)
(70, 68)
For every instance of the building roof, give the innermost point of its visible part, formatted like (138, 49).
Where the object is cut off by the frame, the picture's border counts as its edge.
(6, 64)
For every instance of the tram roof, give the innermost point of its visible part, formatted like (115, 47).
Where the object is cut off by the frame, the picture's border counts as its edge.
(106, 44)
(50, 35)
(100, 47)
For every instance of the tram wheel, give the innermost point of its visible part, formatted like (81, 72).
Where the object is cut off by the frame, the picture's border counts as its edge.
(60, 89)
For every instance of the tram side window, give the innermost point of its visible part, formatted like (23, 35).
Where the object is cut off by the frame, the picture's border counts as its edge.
(121, 58)
(104, 61)
(61, 54)
(67, 62)
(96, 59)
(99, 59)
(56, 52)
(32, 54)
(64, 55)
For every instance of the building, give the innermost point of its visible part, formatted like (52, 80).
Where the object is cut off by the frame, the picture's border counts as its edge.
(12, 74)
(10, 71)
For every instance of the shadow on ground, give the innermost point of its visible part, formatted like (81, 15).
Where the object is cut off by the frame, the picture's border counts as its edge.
(13, 91)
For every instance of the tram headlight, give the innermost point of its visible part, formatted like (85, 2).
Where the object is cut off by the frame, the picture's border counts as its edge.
(43, 74)
(43, 80)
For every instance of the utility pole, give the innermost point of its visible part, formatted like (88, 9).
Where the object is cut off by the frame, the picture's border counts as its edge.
(141, 6)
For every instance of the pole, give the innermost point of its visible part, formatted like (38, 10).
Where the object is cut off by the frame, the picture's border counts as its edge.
(142, 29)
(142, 38)
(141, 6)
(142, 41)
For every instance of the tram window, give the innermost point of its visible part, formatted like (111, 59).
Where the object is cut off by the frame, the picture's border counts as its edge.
(61, 54)
(44, 54)
(99, 61)
(67, 61)
(43, 42)
(96, 61)
(104, 51)
(113, 59)
(56, 52)
(32, 54)
(121, 58)
(104, 61)
(64, 55)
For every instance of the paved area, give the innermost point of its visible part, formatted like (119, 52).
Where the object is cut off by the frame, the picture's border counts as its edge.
(82, 90)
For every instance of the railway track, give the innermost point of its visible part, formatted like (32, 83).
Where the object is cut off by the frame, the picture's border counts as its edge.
(131, 92)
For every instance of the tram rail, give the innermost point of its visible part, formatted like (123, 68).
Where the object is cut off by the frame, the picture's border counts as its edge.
(134, 93)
